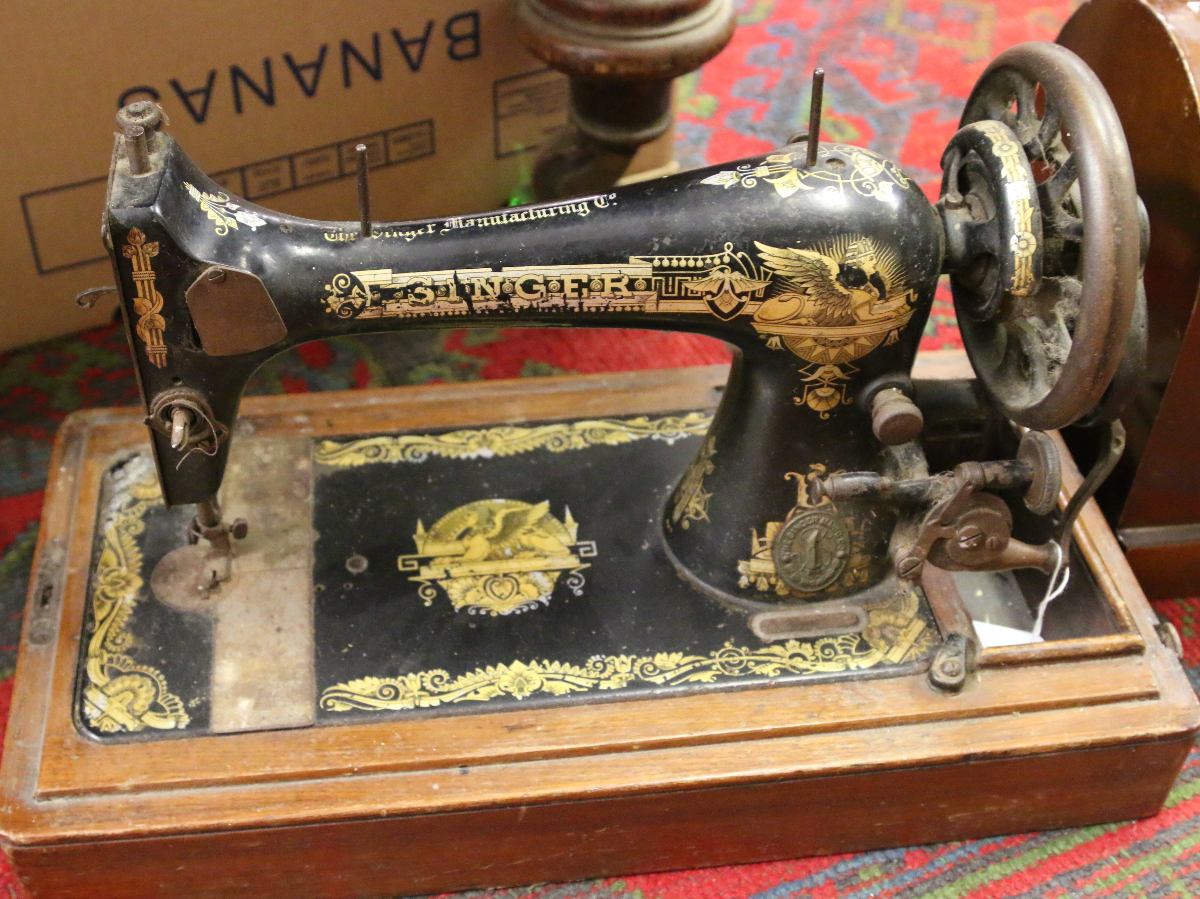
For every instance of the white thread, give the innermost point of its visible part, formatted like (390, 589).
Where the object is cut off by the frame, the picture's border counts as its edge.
(216, 430)
(1054, 589)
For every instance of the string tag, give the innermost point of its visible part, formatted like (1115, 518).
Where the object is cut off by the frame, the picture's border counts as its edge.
(1058, 583)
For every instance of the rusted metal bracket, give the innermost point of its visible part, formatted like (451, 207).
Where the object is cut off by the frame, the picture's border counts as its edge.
(965, 527)
(956, 659)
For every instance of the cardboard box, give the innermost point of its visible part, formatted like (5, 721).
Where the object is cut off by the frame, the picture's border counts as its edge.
(271, 98)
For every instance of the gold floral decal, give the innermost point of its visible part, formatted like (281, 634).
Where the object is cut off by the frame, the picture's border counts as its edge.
(149, 302)
(894, 633)
(1022, 246)
(510, 440)
(843, 168)
(691, 499)
(221, 209)
(498, 556)
(121, 695)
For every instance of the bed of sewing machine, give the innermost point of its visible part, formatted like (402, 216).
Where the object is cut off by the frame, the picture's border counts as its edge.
(394, 642)
(374, 743)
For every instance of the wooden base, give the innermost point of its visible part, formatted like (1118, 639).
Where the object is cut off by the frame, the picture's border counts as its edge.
(1070, 732)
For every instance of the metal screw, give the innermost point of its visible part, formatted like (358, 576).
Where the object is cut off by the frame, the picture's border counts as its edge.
(41, 631)
(953, 200)
(210, 580)
(356, 564)
(239, 529)
(142, 112)
(969, 536)
(951, 668)
(909, 567)
(217, 277)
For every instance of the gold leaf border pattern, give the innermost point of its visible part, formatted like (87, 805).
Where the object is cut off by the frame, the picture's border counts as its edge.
(148, 303)
(895, 633)
(509, 440)
(121, 695)
(1023, 244)
(867, 174)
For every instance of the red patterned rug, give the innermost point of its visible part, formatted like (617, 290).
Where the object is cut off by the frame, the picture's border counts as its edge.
(898, 73)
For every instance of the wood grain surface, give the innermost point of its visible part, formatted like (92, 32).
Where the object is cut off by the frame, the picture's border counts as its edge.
(426, 804)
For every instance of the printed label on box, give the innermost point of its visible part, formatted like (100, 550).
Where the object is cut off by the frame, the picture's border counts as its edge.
(528, 108)
(61, 221)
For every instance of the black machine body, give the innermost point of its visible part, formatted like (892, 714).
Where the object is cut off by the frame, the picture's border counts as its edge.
(818, 262)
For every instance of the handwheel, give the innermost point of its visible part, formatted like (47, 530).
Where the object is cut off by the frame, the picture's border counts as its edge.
(1042, 244)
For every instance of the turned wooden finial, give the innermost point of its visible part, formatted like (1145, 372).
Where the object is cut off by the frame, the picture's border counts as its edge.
(621, 56)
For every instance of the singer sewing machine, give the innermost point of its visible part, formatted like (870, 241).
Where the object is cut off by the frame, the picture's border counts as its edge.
(413, 640)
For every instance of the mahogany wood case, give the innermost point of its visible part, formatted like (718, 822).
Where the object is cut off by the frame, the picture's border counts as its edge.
(1147, 55)
(1065, 733)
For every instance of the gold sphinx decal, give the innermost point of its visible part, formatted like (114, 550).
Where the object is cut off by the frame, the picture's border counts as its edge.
(832, 305)
(498, 556)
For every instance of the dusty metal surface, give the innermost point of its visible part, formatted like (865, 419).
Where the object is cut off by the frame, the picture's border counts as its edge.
(1047, 354)
(263, 636)
(259, 599)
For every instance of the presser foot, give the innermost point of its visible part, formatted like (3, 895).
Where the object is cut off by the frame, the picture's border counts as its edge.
(189, 576)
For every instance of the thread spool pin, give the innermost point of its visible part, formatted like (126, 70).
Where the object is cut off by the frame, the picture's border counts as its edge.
(137, 149)
(364, 192)
(814, 115)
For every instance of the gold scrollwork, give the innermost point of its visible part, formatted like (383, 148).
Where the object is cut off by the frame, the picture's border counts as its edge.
(509, 440)
(691, 499)
(120, 694)
(149, 302)
(225, 213)
(845, 168)
(829, 304)
(895, 633)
